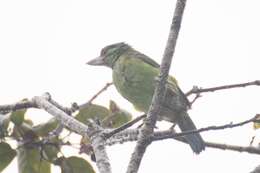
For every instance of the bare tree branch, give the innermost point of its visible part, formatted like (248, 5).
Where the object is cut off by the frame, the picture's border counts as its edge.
(43, 103)
(147, 130)
(16, 106)
(64, 109)
(24, 104)
(248, 149)
(125, 126)
(92, 131)
(256, 170)
(195, 98)
(95, 96)
(209, 128)
(131, 135)
(60, 126)
(97, 139)
(197, 90)
(128, 135)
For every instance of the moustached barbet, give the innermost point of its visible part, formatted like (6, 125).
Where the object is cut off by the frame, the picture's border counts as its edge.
(134, 76)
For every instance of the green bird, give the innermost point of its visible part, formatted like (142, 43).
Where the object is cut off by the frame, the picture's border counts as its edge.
(134, 76)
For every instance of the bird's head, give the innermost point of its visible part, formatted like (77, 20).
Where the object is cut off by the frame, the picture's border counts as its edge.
(110, 54)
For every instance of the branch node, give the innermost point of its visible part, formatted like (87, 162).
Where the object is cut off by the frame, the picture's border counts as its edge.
(47, 96)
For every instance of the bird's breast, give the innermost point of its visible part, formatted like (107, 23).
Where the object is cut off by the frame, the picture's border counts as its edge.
(134, 82)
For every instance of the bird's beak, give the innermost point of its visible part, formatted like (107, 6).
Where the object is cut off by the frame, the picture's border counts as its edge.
(96, 61)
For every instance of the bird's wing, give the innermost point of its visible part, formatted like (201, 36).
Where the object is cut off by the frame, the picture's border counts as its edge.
(172, 82)
(185, 98)
(172, 86)
(145, 58)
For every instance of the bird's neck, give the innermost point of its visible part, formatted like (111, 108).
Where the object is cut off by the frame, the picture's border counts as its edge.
(119, 53)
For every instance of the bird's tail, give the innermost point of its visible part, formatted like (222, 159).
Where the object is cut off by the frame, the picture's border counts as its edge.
(195, 140)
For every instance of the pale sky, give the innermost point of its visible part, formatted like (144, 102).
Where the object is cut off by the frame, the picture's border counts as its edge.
(44, 46)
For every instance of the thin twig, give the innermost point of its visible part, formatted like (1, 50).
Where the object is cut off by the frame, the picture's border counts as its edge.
(248, 149)
(209, 128)
(131, 135)
(196, 90)
(65, 109)
(95, 96)
(147, 130)
(125, 126)
(195, 98)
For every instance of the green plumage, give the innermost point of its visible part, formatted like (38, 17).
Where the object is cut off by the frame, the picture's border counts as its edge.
(134, 76)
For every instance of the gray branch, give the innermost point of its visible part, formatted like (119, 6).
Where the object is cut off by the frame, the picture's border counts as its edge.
(92, 131)
(97, 138)
(76, 126)
(16, 106)
(256, 170)
(128, 135)
(147, 130)
(197, 90)
(131, 135)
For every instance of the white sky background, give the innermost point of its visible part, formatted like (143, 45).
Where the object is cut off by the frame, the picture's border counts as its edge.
(44, 46)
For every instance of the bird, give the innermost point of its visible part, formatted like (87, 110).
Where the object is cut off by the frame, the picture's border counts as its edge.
(134, 76)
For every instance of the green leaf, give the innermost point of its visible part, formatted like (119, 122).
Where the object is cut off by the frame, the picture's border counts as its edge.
(24, 131)
(45, 128)
(17, 117)
(51, 149)
(92, 111)
(6, 155)
(117, 118)
(31, 161)
(75, 165)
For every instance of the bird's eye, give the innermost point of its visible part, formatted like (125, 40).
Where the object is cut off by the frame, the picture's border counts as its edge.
(111, 48)
(103, 51)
